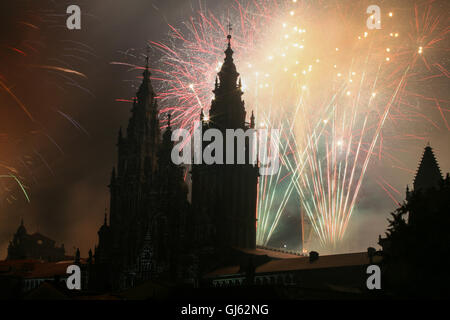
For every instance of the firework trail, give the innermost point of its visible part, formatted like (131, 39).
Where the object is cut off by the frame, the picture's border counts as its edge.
(343, 95)
(39, 70)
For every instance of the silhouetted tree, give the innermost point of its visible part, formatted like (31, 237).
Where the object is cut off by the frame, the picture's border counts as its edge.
(416, 252)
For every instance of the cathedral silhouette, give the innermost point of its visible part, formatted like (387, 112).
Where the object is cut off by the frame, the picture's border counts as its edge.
(154, 232)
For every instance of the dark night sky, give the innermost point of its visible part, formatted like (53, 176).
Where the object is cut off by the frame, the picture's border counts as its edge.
(68, 190)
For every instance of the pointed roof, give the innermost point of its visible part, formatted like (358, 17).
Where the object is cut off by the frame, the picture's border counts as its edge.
(146, 85)
(228, 73)
(428, 174)
(143, 127)
(252, 120)
(227, 107)
(104, 228)
(21, 230)
(144, 110)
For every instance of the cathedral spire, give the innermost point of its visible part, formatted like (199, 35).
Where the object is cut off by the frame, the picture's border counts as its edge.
(228, 74)
(145, 88)
(229, 35)
(21, 230)
(428, 174)
(229, 52)
(143, 132)
(227, 107)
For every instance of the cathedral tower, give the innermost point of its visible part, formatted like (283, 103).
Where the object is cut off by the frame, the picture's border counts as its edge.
(148, 201)
(224, 196)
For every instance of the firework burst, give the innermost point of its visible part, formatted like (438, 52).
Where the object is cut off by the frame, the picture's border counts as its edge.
(40, 69)
(342, 95)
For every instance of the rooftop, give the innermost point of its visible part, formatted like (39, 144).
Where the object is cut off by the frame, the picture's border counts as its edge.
(272, 253)
(303, 263)
(31, 269)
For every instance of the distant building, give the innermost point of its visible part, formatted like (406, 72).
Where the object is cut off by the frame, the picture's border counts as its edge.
(344, 273)
(18, 277)
(34, 246)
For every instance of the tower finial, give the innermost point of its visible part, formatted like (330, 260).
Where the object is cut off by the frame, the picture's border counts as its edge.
(146, 71)
(168, 121)
(229, 33)
(146, 87)
(228, 51)
(146, 56)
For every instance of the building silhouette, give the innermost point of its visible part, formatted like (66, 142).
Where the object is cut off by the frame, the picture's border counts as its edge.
(224, 196)
(148, 203)
(428, 176)
(34, 246)
(153, 231)
(426, 184)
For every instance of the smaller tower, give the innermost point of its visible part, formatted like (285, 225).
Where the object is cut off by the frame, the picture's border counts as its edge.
(104, 244)
(21, 230)
(428, 177)
(252, 121)
(428, 174)
(77, 256)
